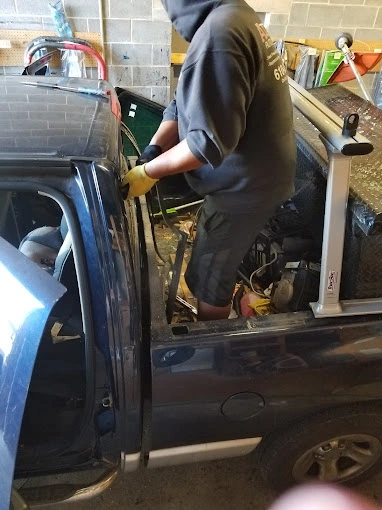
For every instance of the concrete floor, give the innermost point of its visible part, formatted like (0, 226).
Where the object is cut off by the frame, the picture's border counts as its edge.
(224, 485)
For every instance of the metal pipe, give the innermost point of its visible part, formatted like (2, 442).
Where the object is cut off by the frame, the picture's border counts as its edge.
(102, 28)
(359, 78)
(51, 39)
(68, 45)
(343, 42)
(337, 192)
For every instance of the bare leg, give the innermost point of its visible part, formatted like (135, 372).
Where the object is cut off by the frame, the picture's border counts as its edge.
(208, 312)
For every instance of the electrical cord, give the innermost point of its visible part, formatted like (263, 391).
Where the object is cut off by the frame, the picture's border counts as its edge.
(195, 223)
(237, 298)
(256, 271)
(127, 132)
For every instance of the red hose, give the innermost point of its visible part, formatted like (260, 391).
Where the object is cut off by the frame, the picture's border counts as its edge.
(101, 63)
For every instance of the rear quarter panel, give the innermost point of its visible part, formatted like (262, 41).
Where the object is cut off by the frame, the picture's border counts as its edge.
(279, 368)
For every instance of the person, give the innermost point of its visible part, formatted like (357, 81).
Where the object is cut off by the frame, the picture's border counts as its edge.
(229, 128)
(322, 497)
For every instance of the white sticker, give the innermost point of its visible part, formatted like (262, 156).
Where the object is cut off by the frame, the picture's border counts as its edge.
(337, 55)
(131, 113)
(332, 281)
(292, 265)
(312, 51)
(5, 43)
(133, 106)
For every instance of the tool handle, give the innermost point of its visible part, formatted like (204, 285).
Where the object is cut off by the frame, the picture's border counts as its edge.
(94, 92)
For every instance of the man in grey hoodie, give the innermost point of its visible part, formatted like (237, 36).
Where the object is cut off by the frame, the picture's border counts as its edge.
(230, 128)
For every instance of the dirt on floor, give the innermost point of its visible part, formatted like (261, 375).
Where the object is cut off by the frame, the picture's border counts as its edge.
(232, 484)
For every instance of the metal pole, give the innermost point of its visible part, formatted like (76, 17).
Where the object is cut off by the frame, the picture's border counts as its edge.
(360, 80)
(340, 148)
(337, 192)
(343, 43)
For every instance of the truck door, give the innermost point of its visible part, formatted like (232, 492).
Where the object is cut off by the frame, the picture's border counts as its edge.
(27, 297)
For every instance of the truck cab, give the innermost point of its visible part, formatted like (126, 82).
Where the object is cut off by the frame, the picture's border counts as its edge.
(116, 382)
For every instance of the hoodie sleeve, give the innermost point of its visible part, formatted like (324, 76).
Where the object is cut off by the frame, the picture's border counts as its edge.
(171, 112)
(217, 90)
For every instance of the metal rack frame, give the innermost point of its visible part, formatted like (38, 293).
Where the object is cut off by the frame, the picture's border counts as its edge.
(342, 142)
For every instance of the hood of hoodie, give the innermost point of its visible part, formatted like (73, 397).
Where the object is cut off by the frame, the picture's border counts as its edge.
(188, 15)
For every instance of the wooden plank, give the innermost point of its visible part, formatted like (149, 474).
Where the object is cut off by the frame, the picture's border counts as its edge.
(189, 297)
(180, 290)
(14, 56)
(328, 44)
(183, 290)
(320, 44)
(177, 58)
(178, 44)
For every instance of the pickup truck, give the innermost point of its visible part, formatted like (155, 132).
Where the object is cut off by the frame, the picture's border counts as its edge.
(94, 374)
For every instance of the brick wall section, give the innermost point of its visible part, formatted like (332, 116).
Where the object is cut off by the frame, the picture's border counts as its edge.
(138, 33)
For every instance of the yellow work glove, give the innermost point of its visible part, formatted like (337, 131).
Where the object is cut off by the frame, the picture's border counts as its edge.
(137, 182)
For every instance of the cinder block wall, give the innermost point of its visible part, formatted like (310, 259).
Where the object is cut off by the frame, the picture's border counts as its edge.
(137, 38)
(325, 19)
(138, 33)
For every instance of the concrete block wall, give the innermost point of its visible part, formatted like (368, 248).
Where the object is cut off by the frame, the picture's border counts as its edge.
(137, 38)
(325, 19)
(138, 33)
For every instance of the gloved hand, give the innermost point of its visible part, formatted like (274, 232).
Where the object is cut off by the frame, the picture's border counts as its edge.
(151, 152)
(137, 182)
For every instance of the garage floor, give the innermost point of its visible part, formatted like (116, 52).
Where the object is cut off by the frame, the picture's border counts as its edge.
(224, 485)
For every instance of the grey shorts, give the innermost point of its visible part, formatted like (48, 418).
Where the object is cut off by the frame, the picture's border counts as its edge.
(222, 241)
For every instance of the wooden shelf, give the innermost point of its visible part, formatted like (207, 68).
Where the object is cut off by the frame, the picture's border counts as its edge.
(320, 44)
(178, 58)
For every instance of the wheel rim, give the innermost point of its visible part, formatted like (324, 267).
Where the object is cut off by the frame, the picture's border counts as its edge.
(338, 459)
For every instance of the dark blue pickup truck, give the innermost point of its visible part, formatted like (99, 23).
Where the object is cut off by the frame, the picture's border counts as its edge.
(94, 375)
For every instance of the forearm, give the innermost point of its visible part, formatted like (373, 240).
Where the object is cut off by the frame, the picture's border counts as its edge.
(166, 135)
(177, 160)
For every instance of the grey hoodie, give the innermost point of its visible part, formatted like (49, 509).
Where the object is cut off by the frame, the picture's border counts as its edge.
(232, 105)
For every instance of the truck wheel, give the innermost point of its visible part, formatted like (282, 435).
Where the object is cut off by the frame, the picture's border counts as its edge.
(338, 446)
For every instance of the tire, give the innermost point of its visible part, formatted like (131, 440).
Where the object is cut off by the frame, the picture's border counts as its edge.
(339, 446)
